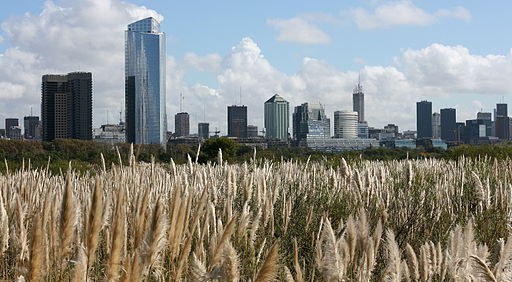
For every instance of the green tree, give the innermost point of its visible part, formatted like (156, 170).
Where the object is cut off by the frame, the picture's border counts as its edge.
(210, 149)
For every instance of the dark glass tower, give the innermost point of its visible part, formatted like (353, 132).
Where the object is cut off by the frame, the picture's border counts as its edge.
(237, 121)
(30, 124)
(203, 130)
(424, 119)
(502, 122)
(358, 102)
(448, 125)
(66, 106)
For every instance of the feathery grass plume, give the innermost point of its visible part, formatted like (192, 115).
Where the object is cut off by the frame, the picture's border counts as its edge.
(481, 270)
(4, 227)
(230, 263)
(36, 253)
(155, 238)
(505, 255)
(95, 222)
(118, 238)
(22, 231)
(222, 241)
(268, 271)
(329, 261)
(183, 259)
(296, 265)
(288, 275)
(393, 271)
(198, 270)
(219, 157)
(80, 271)
(412, 263)
(67, 221)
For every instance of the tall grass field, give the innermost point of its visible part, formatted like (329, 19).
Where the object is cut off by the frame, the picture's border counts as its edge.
(411, 220)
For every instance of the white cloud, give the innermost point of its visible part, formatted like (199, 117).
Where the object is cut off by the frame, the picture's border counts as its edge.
(10, 91)
(299, 30)
(403, 12)
(1, 39)
(208, 63)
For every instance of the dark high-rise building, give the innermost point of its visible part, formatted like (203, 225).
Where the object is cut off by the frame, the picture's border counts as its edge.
(424, 119)
(252, 131)
(30, 124)
(358, 102)
(11, 124)
(484, 116)
(66, 106)
(448, 125)
(502, 122)
(181, 124)
(237, 121)
(203, 130)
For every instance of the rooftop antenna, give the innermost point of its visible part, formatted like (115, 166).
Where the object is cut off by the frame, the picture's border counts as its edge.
(181, 102)
(31, 111)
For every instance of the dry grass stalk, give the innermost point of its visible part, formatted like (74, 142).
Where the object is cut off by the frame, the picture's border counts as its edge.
(37, 255)
(268, 271)
(94, 223)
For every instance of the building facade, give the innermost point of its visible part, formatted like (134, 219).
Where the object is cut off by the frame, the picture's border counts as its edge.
(424, 119)
(11, 126)
(182, 124)
(146, 118)
(436, 125)
(502, 122)
(237, 121)
(345, 124)
(448, 125)
(66, 106)
(203, 130)
(358, 102)
(252, 131)
(277, 118)
(310, 121)
(30, 125)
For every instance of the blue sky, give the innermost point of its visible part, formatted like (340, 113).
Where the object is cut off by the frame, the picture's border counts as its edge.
(385, 40)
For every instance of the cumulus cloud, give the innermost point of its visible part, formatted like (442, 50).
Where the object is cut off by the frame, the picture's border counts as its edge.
(403, 12)
(208, 63)
(299, 30)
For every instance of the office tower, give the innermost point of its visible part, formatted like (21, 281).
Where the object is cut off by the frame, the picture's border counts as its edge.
(30, 124)
(484, 116)
(146, 119)
(502, 122)
(66, 106)
(2, 133)
(10, 125)
(237, 121)
(252, 131)
(345, 124)
(391, 128)
(181, 124)
(203, 130)
(277, 118)
(424, 119)
(476, 130)
(448, 125)
(358, 101)
(436, 125)
(310, 121)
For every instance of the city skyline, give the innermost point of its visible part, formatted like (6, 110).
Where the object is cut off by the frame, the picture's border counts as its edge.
(267, 50)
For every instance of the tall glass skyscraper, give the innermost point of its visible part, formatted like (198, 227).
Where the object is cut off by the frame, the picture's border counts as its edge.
(146, 119)
(310, 121)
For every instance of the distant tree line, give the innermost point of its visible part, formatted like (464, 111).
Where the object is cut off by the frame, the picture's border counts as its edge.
(85, 156)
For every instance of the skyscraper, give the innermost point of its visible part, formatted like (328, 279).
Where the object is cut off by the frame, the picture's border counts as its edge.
(436, 125)
(237, 121)
(310, 121)
(11, 126)
(502, 122)
(146, 119)
(30, 124)
(66, 106)
(345, 124)
(448, 125)
(203, 130)
(358, 101)
(252, 131)
(424, 119)
(181, 124)
(277, 118)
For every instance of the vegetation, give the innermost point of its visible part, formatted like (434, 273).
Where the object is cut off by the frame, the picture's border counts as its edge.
(260, 220)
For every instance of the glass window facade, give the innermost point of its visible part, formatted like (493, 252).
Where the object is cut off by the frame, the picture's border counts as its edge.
(146, 119)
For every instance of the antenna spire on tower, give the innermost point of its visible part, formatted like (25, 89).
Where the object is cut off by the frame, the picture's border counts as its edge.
(181, 102)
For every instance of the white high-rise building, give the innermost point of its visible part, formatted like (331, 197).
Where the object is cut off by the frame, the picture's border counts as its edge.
(436, 125)
(345, 124)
